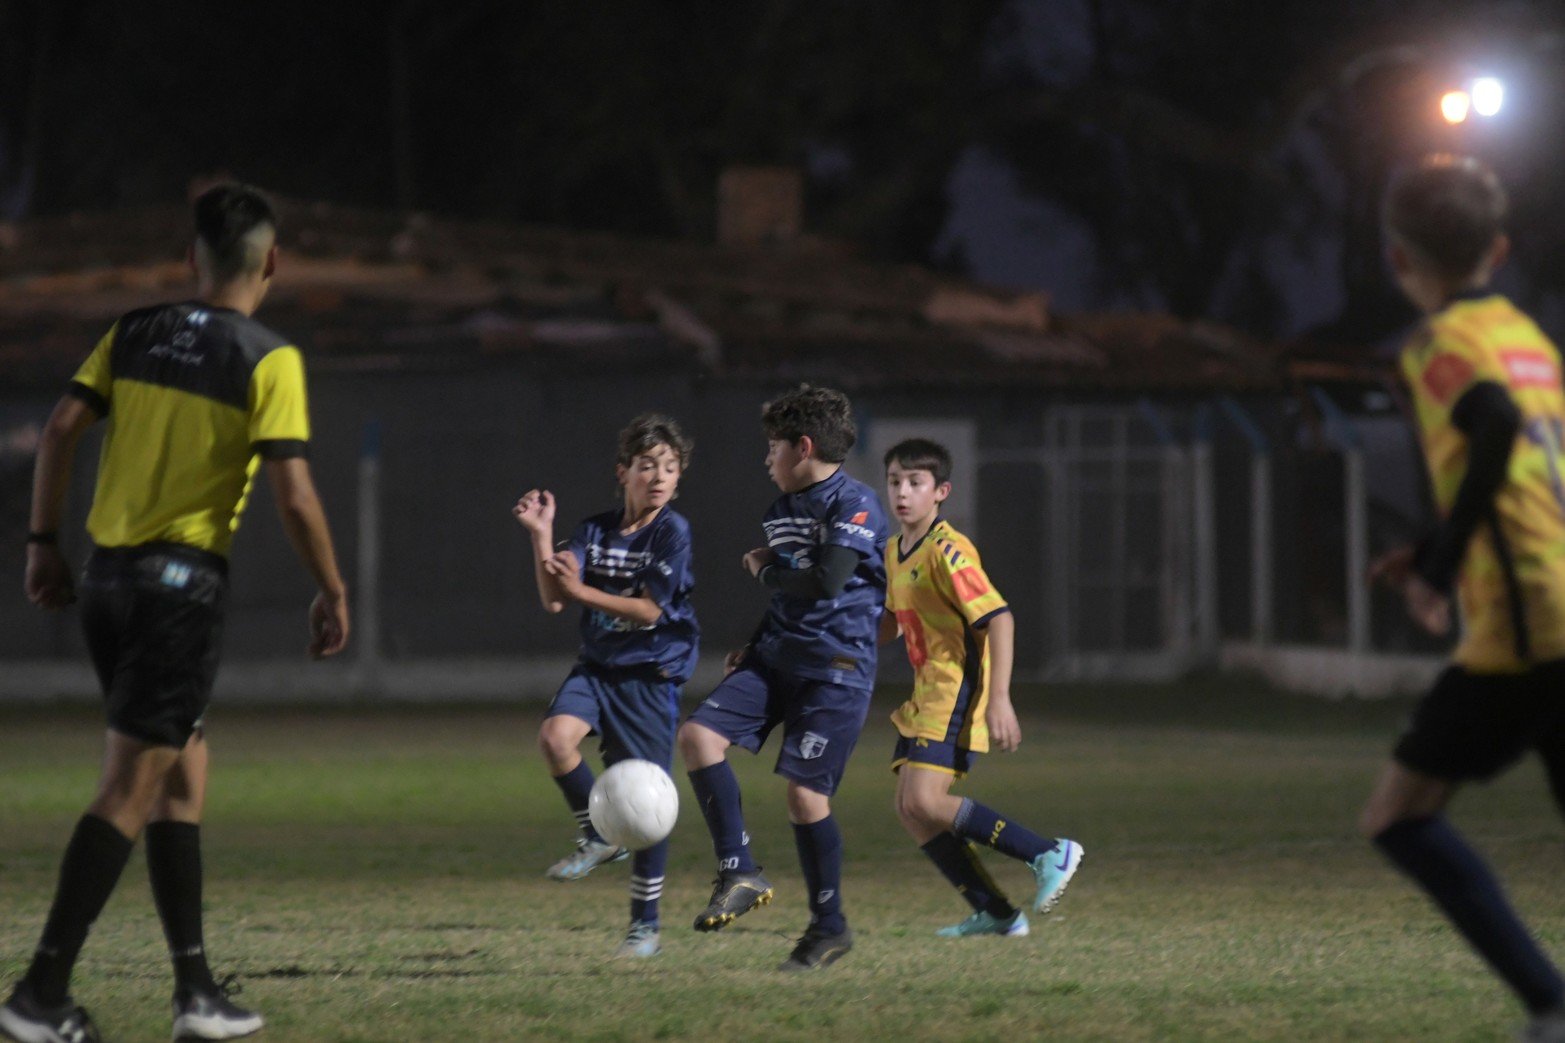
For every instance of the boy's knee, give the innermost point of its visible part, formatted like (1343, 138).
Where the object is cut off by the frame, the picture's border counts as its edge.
(915, 810)
(805, 805)
(556, 746)
(700, 746)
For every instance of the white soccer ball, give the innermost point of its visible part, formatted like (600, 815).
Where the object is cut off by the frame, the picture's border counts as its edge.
(633, 804)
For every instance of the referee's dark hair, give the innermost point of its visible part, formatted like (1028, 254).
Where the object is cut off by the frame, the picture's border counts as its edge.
(226, 218)
(1447, 211)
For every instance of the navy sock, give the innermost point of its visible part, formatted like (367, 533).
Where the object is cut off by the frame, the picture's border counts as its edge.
(1434, 854)
(820, 856)
(174, 868)
(576, 784)
(717, 792)
(646, 882)
(91, 867)
(974, 821)
(958, 862)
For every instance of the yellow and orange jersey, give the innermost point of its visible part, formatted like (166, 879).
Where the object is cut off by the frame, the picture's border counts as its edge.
(941, 598)
(1511, 586)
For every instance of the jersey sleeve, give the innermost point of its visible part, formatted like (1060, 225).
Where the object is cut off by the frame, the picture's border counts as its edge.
(662, 577)
(849, 523)
(582, 537)
(279, 411)
(960, 576)
(94, 381)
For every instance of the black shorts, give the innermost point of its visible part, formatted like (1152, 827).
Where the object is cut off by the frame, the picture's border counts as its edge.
(153, 617)
(1474, 726)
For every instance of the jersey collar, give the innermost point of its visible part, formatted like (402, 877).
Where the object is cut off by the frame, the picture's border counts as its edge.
(901, 557)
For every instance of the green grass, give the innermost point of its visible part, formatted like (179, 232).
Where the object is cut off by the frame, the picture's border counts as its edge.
(377, 875)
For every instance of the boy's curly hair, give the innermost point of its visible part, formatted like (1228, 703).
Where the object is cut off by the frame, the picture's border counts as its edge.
(824, 414)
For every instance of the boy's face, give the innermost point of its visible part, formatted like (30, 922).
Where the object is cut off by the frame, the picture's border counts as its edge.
(785, 463)
(913, 494)
(651, 479)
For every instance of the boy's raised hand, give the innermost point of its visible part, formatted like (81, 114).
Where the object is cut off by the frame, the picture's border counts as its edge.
(535, 510)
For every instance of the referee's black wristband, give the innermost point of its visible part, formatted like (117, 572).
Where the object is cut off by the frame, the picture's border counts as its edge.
(760, 575)
(49, 538)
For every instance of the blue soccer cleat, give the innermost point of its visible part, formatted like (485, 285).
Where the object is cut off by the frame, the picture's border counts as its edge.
(981, 923)
(589, 855)
(1053, 870)
(640, 942)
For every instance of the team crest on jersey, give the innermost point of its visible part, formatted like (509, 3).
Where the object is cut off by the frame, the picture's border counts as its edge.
(812, 745)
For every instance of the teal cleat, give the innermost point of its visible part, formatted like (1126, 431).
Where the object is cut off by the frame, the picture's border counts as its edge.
(589, 855)
(1053, 870)
(980, 923)
(641, 942)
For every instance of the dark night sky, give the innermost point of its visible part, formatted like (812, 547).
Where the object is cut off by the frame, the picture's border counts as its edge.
(1214, 159)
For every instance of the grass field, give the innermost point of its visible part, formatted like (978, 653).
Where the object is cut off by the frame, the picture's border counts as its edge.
(377, 876)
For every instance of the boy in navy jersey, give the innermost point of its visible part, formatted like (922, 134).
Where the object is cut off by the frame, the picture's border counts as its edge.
(630, 570)
(809, 667)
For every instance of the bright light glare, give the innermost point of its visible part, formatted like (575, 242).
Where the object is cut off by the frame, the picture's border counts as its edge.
(1454, 106)
(1488, 96)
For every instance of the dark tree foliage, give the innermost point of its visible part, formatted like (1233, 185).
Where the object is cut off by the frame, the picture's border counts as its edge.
(1191, 136)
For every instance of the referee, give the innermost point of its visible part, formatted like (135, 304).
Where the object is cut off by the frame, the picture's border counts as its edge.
(197, 395)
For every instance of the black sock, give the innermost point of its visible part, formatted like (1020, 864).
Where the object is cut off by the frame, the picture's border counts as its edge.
(91, 866)
(1431, 852)
(174, 868)
(958, 863)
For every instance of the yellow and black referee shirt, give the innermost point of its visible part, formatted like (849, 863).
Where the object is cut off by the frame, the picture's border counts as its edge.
(195, 395)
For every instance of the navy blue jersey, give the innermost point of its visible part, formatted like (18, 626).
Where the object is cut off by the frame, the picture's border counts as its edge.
(653, 562)
(832, 639)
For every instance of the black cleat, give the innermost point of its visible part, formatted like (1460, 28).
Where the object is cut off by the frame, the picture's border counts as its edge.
(26, 1020)
(817, 949)
(210, 1014)
(733, 895)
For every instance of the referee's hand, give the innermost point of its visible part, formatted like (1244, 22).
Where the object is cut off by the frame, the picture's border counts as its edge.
(48, 579)
(328, 625)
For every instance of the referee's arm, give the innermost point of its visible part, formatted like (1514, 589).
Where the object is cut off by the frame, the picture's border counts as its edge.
(48, 578)
(304, 520)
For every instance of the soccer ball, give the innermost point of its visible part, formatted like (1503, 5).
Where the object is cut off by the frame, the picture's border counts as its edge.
(633, 804)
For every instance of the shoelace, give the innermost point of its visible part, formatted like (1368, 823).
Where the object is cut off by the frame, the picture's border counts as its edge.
(229, 987)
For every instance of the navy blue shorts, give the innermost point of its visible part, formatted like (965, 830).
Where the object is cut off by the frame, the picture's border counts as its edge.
(932, 753)
(635, 713)
(821, 721)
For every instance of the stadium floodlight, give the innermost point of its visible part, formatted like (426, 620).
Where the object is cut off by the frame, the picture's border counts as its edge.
(1488, 95)
(1455, 105)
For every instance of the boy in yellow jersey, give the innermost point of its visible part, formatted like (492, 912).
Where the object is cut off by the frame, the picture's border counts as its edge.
(960, 638)
(1485, 385)
(198, 396)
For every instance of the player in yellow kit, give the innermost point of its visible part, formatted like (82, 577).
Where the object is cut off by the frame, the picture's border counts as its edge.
(1485, 384)
(960, 639)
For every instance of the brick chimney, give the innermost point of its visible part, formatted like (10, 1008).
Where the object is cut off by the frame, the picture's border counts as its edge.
(759, 206)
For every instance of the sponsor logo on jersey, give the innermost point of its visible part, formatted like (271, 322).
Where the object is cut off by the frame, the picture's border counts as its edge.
(1528, 368)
